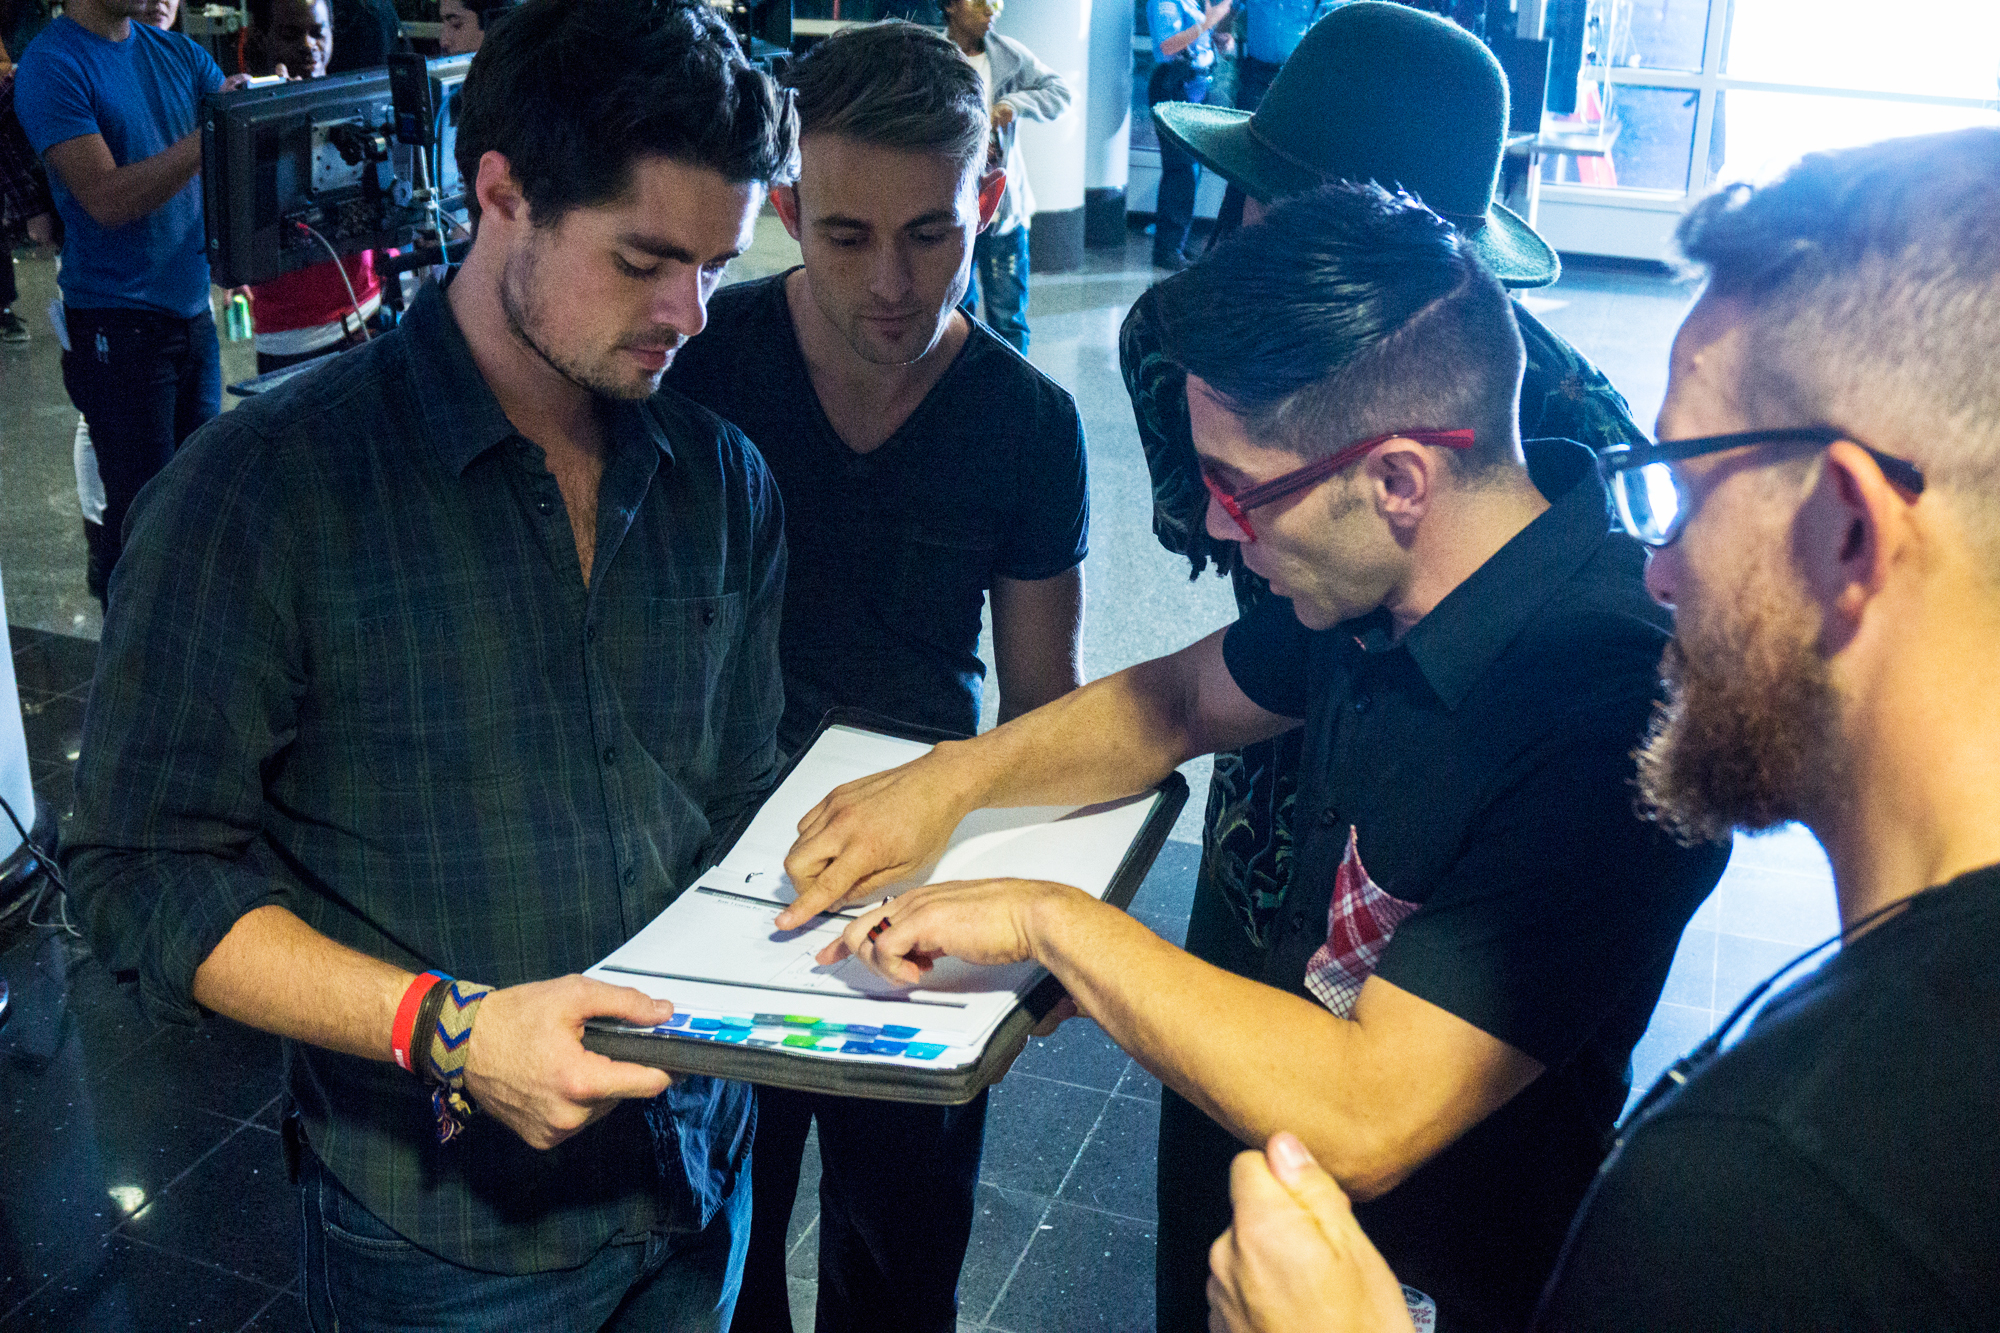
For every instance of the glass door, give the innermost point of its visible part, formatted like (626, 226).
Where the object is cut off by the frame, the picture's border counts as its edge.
(1687, 94)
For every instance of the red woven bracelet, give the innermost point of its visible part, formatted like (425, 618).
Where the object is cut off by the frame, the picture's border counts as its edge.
(400, 1032)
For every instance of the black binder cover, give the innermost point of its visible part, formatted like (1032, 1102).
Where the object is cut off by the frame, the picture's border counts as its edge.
(895, 1083)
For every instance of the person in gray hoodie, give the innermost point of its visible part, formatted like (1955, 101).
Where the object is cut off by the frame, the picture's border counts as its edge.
(1018, 87)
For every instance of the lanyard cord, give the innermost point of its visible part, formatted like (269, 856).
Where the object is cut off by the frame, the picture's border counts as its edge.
(1680, 1071)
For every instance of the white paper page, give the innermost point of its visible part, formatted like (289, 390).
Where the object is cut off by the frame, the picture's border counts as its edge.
(716, 950)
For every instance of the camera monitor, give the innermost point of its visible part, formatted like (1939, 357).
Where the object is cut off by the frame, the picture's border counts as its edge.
(330, 155)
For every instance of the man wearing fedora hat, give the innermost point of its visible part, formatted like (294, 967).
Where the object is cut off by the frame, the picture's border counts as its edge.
(1376, 91)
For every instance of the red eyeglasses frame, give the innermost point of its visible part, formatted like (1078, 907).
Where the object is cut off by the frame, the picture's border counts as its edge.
(1238, 504)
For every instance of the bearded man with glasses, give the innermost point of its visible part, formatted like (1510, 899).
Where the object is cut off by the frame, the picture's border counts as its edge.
(1478, 923)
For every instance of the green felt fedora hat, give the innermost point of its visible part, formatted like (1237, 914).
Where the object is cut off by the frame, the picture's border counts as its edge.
(1377, 91)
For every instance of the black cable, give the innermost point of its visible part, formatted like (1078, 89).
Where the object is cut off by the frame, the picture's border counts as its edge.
(48, 866)
(1680, 1071)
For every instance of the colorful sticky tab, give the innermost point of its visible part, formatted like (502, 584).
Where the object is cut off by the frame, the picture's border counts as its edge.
(706, 1024)
(890, 1047)
(922, 1050)
(692, 1035)
(761, 1041)
(771, 1020)
(736, 1022)
(829, 1029)
(863, 1030)
(660, 1031)
(802, 1041)
(733, 1035)
(826, 1043)
(865, 1046)
(799, 1020)
(677, 1021)
(899, 1032)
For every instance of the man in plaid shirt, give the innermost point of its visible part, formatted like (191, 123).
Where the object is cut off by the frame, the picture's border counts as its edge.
(436, 674)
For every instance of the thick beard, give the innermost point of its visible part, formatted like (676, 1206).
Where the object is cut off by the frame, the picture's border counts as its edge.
(523, 312)
(1746, 736)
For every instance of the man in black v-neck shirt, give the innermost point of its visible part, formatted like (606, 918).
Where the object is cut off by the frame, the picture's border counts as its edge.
(924, 466)
(1477, 924)
(893, 551)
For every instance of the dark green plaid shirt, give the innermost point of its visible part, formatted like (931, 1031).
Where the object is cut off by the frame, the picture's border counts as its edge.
(351, 668)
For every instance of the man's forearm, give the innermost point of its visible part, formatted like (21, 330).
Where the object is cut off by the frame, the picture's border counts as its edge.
(1109, 739)
(274, 972)
(1373, 1097)
(115, 195)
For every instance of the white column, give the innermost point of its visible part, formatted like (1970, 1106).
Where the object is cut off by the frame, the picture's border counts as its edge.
(16, 783)
(1107, 150)
(1058, 31)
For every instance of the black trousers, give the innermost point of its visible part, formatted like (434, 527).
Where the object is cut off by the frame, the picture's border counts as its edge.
(896, 1197)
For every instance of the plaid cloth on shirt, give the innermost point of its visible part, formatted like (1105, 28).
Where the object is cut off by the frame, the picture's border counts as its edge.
(1359, 922)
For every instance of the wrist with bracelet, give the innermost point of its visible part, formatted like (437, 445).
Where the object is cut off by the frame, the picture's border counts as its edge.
(428, 1037)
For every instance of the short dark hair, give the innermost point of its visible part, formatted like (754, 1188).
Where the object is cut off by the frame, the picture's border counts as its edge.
(482, 11)
(572, 92)
(1870, 284)
(1346, 313)
(259, 13)
(893, 85)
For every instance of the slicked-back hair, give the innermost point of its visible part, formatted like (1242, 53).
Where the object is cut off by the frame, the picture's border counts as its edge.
(893, 85)
(1869, 279)
(573, 92)
(1347, 313)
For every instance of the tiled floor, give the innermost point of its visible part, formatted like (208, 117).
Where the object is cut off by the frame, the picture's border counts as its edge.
(140, 1182)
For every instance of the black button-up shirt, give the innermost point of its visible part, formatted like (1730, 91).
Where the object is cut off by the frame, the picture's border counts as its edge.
(352, 668)
(1482, 765)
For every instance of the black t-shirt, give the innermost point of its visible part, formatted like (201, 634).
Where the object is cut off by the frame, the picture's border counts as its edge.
(891, 552)
(1838, 1168)
(1475, 779)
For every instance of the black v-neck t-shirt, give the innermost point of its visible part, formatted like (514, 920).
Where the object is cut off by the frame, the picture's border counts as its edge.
(1479, 772)
(1837, 1168)
(891, 552)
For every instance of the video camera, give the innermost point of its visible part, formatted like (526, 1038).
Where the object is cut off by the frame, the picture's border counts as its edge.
(361, 161)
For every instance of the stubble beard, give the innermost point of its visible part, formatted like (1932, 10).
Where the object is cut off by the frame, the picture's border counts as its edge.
(524, 320)
(1747, 736)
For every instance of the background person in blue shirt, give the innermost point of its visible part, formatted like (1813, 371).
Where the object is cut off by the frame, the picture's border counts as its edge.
(1271, 32)
(112, 106)
(1184, 46)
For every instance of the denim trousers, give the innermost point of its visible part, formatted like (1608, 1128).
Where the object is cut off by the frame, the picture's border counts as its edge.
(359, 1276)
(1174, 81)
(144, 381)
(1000, 272)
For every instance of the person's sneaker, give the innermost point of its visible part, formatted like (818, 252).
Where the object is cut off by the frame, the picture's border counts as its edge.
(12, 330)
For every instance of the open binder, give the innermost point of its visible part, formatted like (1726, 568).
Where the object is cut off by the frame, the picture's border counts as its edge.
(750, 1003)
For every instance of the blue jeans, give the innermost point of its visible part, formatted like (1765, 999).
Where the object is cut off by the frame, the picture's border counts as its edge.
(360, 1275)
(1000, 270)
(1174, 81)
(145, 381)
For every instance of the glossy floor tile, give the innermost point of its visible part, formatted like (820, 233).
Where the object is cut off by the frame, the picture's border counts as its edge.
(140, 1186)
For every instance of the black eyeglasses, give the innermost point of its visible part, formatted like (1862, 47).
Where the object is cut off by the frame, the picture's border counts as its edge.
(1653, 502)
